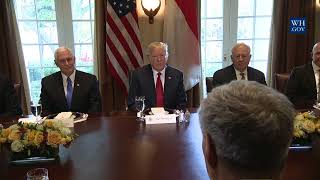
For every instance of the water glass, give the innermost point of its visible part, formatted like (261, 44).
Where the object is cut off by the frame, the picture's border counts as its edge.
(140, 106)
(36, 109)
(38, 174)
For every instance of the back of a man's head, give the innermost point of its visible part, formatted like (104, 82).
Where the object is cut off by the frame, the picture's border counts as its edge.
(250, 126)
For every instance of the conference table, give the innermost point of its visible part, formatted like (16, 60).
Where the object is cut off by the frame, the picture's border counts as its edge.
(118, 147)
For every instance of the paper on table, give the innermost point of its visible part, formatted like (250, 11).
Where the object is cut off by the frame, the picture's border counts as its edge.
(82, 118)
(32, 119)
(158, 110)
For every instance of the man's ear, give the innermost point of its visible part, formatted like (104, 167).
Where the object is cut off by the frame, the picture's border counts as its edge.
(210, 155)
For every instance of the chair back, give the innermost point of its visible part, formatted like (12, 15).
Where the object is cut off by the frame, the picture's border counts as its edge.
(281, 80)
(17, 89)
(209, 83)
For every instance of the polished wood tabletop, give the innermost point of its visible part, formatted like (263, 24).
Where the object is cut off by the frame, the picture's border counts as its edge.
(118, 147)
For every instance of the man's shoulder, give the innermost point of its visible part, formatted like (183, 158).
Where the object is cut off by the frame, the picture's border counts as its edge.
(223, 71)
(85, 75)
(304, 67)
(173, 70)
(51, 76)
(256, 71)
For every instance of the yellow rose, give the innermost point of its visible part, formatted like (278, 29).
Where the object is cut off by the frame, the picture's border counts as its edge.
(317, 126)
(299, 133)
(14, 135)
(68, 139)
(49, 123)
(308, 126)
(63, 141)
(30, 134)
(54, 138)
(38, 139)
(3, 140)
(5, 132)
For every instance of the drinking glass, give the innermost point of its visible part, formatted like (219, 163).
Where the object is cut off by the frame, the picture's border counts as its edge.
(38, 174)
(36, 109)
(140, 106)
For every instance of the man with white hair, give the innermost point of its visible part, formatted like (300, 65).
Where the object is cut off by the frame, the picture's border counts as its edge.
(303, 88)
(239, 70)
(69, 89)
(247, 129)
(160, 84)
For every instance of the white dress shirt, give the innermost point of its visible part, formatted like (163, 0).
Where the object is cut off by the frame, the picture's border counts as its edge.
(65, 83)
(162, 76)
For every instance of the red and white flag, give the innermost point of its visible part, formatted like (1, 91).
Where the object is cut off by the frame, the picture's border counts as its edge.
(181, 34)
(123, 40)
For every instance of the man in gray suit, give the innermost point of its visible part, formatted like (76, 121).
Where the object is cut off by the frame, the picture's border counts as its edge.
(239, 70)
(160, 84)
(69, 89)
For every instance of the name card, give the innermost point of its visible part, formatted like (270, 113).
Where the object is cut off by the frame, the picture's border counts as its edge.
(160, 119)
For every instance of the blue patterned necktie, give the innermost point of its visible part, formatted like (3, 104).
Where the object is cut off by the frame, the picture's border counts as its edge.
(69, 92)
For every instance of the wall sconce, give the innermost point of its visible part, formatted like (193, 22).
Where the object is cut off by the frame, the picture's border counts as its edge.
(150, 8)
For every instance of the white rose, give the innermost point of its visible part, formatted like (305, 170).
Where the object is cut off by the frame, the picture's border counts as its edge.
(17, 146)
(65, 131)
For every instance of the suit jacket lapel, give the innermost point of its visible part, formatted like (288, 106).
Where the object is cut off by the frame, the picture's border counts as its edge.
(76, 89)
(310, 75)
(167, 83)
(150, 83)
(231, 73)
(250, 74)
(60, 91)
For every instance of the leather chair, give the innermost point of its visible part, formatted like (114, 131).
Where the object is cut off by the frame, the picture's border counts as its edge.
(209, 84)
(281, 80)
(17, 89)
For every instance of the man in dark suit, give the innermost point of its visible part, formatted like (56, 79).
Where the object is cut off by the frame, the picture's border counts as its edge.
(160, 84)
(69, 89)
(239, 70)
(303, 84)
(9, 103)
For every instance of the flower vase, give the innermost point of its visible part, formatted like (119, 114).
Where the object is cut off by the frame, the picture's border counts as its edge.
(34, 155)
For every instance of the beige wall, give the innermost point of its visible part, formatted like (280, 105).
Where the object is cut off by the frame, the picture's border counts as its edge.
(150, 32)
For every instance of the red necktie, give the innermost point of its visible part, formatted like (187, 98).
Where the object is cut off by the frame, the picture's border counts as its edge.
(159, 92)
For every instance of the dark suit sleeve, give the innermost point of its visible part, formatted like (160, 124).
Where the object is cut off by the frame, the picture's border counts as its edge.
(94, 97)
(11, 102)
(262, 79)
(216, 81)
(133, 89)
(181, 94)
(44, 99)
(294, 90)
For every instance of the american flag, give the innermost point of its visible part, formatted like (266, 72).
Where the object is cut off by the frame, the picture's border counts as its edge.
(123, 40)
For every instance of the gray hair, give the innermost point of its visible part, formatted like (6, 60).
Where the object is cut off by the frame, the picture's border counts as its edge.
(240, 44)
(60, 49)
(161, 45)
(250, 124)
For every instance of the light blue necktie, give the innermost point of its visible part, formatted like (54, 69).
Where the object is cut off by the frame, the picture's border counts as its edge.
(69, 92)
